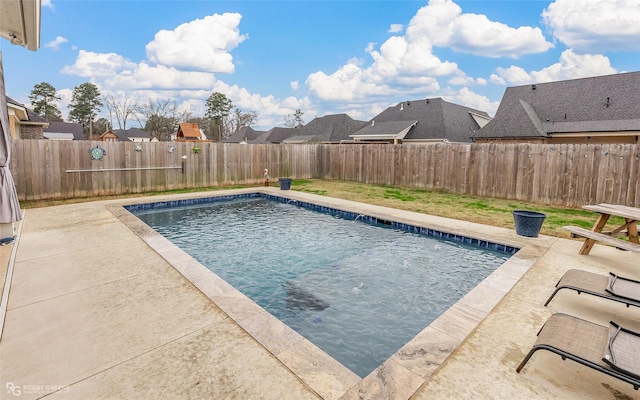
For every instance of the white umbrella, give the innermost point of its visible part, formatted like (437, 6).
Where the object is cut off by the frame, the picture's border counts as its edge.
(9, 205)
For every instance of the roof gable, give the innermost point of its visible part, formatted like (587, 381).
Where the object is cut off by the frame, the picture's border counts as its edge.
(385, 130)
(245, 133)
(332, 128)
(278, 134)
(188, 130)
(519, 120)
(436, 119)
(578, 105)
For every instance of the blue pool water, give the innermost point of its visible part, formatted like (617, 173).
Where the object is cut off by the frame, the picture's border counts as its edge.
(358, 290)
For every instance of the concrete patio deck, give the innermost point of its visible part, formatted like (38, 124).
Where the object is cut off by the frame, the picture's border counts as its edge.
(100, 307)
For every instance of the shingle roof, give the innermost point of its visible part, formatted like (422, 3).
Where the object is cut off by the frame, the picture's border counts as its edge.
(385, 128)
(278, 134)
(301, 139)
(66, 127)
(14, 102)
(246, 132)
(35, 117)
(437, 119)
(124, 135)
(32, 116)
(598, 104)
(332, 128)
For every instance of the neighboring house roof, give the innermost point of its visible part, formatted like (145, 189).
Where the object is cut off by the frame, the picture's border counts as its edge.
(188, 131)
(333, 128)
(244, 133)
(19, 110)
(277, 135)
(385, 130)
(109, 135)
(26, 115)
(36, 118)
(124, 135)
(262, 138)
(430, 120)
(64, 130)
(598, 104)
(328, 129)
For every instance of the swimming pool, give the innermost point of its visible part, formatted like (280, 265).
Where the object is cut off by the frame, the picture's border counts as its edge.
(383, 274)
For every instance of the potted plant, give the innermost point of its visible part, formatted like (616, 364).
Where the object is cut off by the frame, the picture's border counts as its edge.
(285, 183)
(528, 223)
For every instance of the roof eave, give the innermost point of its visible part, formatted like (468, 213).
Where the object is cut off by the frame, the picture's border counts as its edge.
(20, 22)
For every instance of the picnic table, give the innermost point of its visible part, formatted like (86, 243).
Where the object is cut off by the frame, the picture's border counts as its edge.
(614, 237)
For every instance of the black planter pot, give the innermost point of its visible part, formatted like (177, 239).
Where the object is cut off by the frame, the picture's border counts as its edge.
(528, 223)
(285, 183)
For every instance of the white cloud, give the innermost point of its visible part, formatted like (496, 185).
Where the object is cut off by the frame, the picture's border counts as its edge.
(497, 80)
(270, 109)
(65, 98)
(370, 47)
(160, 77)
(202, 44)
(90, 64)
(46, 3)
(570, 66)
(54, 44)
(573, 66)
(406, 64)
(595, 25)
(443, 22)
(295, 85)
(474, 100)
(513, 75)
(349, 83)
(395, 28)
(168, 75)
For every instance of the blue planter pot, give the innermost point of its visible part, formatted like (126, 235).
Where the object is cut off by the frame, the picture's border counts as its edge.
(528, 223)
(285, 183)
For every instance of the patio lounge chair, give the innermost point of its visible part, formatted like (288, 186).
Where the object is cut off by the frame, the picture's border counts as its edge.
(612, 350)
(610, 287)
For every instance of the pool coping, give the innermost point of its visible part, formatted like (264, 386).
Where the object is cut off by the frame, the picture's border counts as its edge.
(401, 375)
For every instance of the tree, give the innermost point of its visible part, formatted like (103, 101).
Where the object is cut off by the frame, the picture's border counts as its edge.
(239, 119)
(161, 118)
(43, 99)
(218, 107)
(121, 108)
(85, 104)
(207, 125)
(101, 125)
(293, 120)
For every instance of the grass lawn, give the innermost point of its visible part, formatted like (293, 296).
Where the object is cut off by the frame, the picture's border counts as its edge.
(488, 211)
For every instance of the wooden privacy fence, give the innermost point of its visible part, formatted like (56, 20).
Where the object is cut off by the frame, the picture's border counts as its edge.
(566, 174)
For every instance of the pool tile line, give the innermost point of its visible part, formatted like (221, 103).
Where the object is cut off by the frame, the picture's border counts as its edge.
(503, 248)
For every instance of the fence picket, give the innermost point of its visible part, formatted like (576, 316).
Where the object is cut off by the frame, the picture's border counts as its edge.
(568, 174)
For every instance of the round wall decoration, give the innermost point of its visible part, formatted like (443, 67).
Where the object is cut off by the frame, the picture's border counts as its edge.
(137, 148)
(97, 153)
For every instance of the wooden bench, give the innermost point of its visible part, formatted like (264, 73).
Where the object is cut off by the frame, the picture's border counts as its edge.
(604, 238)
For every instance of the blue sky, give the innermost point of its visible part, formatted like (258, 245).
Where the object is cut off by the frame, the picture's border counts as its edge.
(323, 57)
